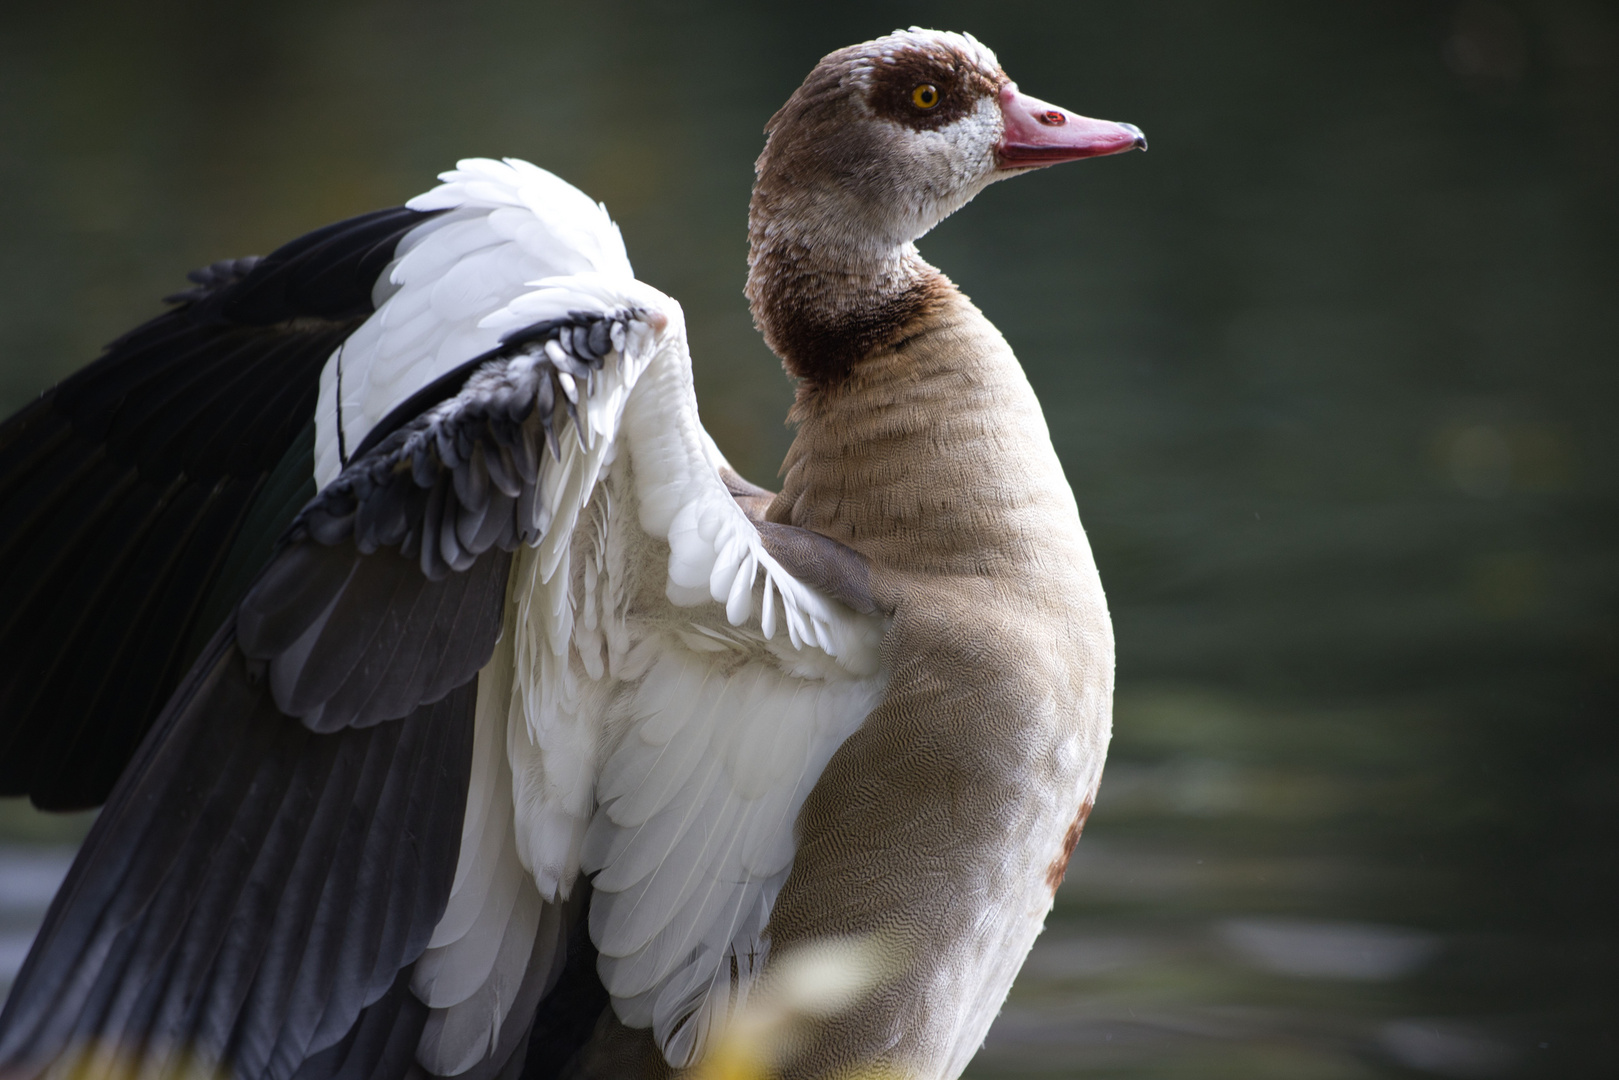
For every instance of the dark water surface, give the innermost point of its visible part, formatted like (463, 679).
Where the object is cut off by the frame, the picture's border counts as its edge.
(1331, 370)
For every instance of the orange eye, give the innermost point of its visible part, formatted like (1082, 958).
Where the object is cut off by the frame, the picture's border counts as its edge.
(925, 96)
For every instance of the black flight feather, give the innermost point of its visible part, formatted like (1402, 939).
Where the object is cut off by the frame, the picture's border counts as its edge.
(251, 890)
(168, 439)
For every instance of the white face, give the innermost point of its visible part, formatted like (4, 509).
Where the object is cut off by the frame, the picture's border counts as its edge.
(929, 124)
(944, 168)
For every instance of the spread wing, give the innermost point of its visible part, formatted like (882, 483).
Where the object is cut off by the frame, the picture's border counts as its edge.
(527, 611)
(671, 680)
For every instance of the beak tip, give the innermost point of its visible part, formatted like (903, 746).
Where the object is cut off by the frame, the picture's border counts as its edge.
(1141, 138)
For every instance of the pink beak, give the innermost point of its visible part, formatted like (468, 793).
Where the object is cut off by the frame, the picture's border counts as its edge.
(1040, 133)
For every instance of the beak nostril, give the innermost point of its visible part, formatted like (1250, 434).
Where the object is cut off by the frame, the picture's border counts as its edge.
(1037, 133)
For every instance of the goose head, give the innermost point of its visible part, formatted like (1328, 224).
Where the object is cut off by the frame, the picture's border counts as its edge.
(882, 142)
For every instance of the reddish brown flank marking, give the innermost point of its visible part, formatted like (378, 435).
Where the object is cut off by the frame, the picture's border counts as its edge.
(1059, 865)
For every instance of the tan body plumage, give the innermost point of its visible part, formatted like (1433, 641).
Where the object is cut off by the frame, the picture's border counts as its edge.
(945, 822)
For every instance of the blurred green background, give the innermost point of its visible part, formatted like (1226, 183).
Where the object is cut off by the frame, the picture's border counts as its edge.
(1331, 369)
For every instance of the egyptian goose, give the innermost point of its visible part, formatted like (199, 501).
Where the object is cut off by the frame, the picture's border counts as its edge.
(459, 711)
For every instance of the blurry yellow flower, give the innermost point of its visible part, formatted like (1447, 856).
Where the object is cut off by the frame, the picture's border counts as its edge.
(812, 982)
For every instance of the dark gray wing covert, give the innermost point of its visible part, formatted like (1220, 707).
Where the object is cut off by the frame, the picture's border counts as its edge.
(420, 526)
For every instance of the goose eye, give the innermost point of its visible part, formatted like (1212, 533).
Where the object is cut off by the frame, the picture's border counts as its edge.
(925, 96)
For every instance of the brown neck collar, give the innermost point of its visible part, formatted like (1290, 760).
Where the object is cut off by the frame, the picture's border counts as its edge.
(824, 303)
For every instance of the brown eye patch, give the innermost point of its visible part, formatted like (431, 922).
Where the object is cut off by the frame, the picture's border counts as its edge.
(956, 85)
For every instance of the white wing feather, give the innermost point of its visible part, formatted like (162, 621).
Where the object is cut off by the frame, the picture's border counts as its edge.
(504, 225)
(665, 694)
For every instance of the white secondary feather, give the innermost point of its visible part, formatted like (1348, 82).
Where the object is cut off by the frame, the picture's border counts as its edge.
(496, 925)
(665, 694)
